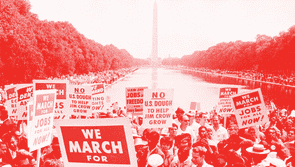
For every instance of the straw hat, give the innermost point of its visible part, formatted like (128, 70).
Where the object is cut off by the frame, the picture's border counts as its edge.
(258, 149)
(139, 142)
(155, 160)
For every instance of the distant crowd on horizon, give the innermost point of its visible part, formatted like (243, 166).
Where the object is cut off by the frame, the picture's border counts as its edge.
(283, 78)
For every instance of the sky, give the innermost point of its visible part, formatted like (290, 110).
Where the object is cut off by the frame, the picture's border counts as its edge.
(184, 26)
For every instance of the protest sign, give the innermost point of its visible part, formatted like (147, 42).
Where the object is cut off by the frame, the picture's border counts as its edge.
(157, 108)
(224, 104)
(249, 108)
(62, 104)
(80, 100)
(85, 143)
(195, 106)
(41, 119)
(24, 94)
(98, 97)
(11, 102)
(29, 120)
(134, 100)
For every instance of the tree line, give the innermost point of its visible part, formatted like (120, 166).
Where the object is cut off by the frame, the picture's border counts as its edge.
(267, 53)
(37, 49)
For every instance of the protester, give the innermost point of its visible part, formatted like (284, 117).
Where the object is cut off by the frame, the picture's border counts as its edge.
(274, 143)
(22, 141)
(172, 131)
(230, 143)
(7, 125)
(220, 161)
(254, 135)
(183, 157)
(198, 156)
(287, 126)
(204, 142)
(141, 149)
(273, 120)
(166, 144)
(192, 123)
(184, 128)
(179, 113)
(290, 145)
(219, 132)
(232, 147)
(55, 154)
(153, 139)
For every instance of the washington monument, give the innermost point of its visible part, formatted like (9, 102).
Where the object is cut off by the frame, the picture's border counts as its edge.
(154, 55)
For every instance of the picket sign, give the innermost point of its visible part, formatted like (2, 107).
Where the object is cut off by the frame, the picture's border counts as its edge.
(195, 106)
(62, 103)
(41, 119)
(157, 108)
(134, 100)
(11, 102)
(249, 108)
(80, 99)
(109, 144)
(98, 97)
(29, 121)
(24, 95)
(224, 105)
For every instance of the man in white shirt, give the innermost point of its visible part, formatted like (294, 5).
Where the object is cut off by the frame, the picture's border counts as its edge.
(184, 128)
(219, 132)
(192, 123)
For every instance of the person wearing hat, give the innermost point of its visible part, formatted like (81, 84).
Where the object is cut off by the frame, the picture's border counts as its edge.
(179, 113)
(258, 153)
(153, 139)
(155, 160)
(141, 149)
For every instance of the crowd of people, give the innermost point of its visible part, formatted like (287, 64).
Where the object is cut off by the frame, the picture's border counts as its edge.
(191, 142)
(278, 78)
(195, 139)
(107, 77)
